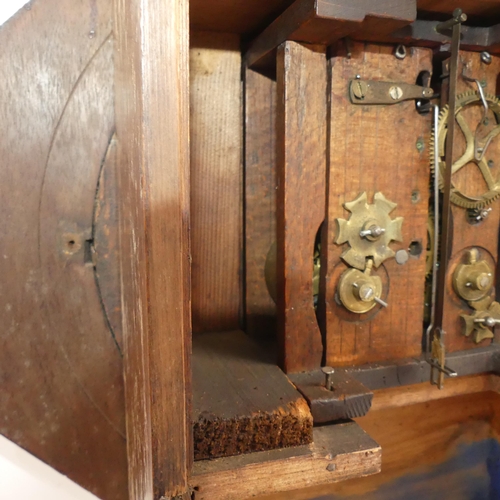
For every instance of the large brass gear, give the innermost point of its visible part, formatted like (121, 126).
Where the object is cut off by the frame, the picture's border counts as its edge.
(438, 139)
(363, 217)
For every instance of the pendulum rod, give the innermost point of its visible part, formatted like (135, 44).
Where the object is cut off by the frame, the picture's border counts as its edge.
(437, 342)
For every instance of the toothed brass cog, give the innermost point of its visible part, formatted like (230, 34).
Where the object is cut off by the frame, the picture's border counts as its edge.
(438, 140)
(369, 231)
(479, 324)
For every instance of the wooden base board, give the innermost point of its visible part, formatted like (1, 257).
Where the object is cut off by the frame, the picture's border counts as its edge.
(339, 452)
(416, 438)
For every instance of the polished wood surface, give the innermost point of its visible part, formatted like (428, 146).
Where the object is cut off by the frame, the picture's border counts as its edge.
(373, 148)
(216, 181)
(300, 172)
(61, 369)
(152, 130)
(260, 199)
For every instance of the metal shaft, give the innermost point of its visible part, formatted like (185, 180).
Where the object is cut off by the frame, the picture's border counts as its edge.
(445, 243)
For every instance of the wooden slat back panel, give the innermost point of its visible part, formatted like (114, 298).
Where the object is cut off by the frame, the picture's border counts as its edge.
(216, 181)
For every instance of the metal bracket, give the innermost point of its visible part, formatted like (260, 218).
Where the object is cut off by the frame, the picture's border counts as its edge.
(375, 92)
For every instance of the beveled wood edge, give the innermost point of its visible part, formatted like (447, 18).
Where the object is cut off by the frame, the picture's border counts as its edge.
(339, 452)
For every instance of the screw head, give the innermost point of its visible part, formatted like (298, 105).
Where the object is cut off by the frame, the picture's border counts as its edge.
(366, 292)
(359, 89)
(489, 322)
(483, 281)
(396, 92)
(402, 257)
(486, 57)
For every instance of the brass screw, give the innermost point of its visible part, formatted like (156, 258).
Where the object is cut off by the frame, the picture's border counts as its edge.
(359, 89)
(396, 92)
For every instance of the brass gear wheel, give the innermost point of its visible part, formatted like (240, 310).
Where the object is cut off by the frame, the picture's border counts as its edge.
(438, 139)
(364, 216)
(476, 324)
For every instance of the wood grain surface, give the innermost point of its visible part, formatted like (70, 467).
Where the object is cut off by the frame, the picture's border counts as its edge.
(242, 402)
(338, 452)
(300, 170)
(61, 371)
(216, 181)
(234, 16)
(252, 16)
(483, 236)
(260, 199)
(152, 122)
(373, 148)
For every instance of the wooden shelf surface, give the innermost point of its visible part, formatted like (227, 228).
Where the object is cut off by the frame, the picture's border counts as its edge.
(339, 452)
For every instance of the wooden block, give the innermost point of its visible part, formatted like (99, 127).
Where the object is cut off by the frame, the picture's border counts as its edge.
(242, 402)
(152, 128)
(301, 167)
(216, 181)
(483, 236)
(260, 199)
(338, 452)
(326, 21)
(373, 148)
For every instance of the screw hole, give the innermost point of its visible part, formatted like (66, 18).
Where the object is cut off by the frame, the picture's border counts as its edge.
(400, 52)
(415, 248)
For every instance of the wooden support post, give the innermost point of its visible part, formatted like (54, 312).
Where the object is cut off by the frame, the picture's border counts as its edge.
(301, 167)
(260, 199)
(152, 116)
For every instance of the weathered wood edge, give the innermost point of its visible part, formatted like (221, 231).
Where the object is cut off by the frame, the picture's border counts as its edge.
(339, 452)
(152, 122)
(242, 401)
